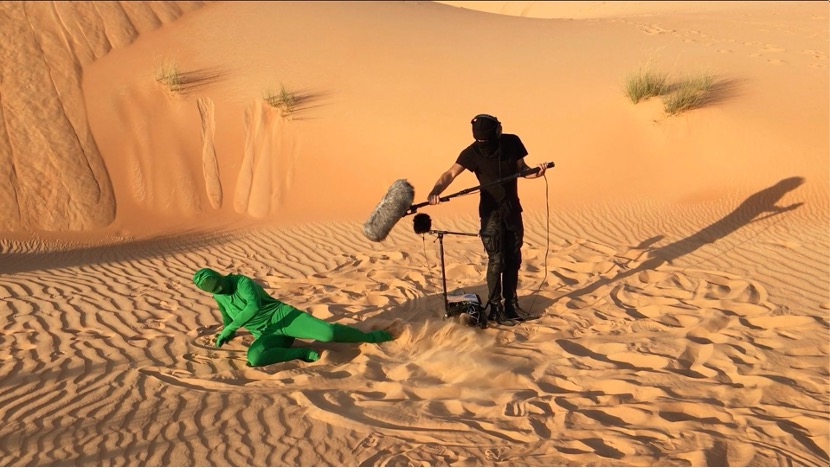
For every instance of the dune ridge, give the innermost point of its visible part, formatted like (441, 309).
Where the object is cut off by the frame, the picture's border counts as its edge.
(703, 143)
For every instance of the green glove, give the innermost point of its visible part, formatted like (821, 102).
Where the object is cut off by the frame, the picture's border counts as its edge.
(226, 335)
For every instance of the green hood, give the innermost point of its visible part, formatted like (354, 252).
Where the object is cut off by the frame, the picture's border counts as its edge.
(208, 280)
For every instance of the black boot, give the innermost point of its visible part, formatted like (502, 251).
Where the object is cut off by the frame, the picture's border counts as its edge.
(513, 310)
(497, 315)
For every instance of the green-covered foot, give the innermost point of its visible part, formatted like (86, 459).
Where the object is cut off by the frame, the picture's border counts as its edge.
(311, 356)
(379, 336)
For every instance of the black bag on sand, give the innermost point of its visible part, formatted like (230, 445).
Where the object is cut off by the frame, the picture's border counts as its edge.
(466, 309)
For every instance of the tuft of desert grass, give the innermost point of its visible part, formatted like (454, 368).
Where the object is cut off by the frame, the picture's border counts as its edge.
(168, 74)
(691, 93)
(284, 100)
(645, 84)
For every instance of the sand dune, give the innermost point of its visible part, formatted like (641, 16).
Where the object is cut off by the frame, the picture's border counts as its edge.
(691, 361)
(680, 264)
(57, 177)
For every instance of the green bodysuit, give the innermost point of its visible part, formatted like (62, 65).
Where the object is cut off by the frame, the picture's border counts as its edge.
(274, 324)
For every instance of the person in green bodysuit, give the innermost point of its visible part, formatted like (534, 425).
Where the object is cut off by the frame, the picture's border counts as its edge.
(274, 324)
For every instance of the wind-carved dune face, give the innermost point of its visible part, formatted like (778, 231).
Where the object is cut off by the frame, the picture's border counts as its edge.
(55, 178)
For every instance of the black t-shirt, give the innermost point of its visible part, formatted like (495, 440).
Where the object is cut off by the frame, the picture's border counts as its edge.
(502, 162)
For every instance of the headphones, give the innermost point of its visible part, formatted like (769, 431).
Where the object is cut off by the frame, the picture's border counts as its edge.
(488, 117)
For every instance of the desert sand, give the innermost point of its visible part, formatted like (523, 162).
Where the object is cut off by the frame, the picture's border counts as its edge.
(680, 263)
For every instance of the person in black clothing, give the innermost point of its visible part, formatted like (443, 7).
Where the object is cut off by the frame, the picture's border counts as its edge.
(493, 156)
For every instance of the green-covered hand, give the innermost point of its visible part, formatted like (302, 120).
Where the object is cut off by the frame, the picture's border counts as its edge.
(226, 335)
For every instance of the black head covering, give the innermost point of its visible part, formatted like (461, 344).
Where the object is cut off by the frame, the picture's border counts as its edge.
(485, 127)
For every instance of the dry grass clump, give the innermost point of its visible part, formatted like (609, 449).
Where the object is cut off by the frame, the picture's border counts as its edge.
(645, 84)
(692, 92)
(291, 102)
(168, 74)
(284, 100)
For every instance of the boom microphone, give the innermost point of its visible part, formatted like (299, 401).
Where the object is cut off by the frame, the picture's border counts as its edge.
(392, 207)
(397, 203)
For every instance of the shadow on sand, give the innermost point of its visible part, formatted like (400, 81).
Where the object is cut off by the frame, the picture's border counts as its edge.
(757, 207)
(19, 262)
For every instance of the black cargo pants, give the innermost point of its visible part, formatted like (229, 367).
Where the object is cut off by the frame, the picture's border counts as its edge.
(502, 233)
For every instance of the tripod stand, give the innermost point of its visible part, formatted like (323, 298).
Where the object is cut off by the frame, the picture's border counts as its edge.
(440, 235)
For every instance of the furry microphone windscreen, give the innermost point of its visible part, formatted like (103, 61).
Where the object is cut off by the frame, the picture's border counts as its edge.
(422, 223)
(390, 210)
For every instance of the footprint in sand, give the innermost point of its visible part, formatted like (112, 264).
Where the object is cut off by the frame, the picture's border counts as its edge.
(199, 358)
(773, 49)
(815, 54)
(651, 29)
(693, 360)
(370, 441)
(707, 330)
(432, 455)
(155, 324)
(206, 340)
(400, 460)
(433, 449)
(168, 306)
(770, 50)
(161, 304)
(496, 454)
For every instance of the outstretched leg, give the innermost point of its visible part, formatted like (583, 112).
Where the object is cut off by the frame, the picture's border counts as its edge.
(269, 349)
(305, 326)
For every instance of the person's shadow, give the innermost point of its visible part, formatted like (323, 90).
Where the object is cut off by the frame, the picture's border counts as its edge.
(750, 211)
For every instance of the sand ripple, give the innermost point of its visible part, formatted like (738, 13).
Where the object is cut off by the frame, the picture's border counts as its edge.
(635, 361)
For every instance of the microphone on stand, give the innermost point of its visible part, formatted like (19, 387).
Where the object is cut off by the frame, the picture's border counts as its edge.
(422, 223)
